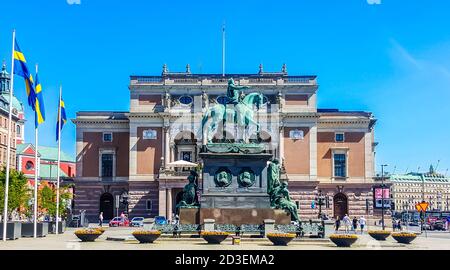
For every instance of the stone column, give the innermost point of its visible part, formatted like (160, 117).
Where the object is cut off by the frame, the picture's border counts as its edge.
(281, 143)
(169, 203)
(269, 226)
(209, 224)
(166, 147)
(313, 153)
(172, 149)
(162, 202)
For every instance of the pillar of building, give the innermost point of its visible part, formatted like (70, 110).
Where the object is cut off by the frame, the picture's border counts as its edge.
(281, 143)
(169, 203)
(166, 147)
(162, 202)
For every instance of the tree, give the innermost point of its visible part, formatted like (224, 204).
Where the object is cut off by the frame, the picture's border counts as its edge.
(47, 200)
(19, 193)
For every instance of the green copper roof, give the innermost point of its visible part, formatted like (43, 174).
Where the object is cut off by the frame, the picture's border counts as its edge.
(419, 177)
(47, 153)
(16, 103)
(49, 171)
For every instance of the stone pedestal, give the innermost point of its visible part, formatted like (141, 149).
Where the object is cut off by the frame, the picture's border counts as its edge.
(189, 216)
(241, 216)
(209, 224)
(235, 193)
(269, 226)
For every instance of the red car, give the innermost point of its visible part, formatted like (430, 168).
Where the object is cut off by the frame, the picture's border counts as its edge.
(119, 222)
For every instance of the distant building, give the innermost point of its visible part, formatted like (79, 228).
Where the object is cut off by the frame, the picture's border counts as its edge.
(47, 158)
(325, 151)
(411, 188)
(18, 119)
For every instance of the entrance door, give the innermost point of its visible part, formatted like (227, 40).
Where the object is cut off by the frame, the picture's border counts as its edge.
(340, 205)
(107, 206)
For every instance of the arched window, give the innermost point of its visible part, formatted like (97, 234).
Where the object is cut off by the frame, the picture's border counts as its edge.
(18, 130)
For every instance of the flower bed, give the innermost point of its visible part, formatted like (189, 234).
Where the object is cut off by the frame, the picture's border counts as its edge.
(343, 240)
(404, 237)
(146, 236)
(88, 235)
(214, 237)
(280, 239)
(379, 235)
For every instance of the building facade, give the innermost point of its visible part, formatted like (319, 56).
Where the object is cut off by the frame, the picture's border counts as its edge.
(48, 163)
(409, 189)
(18, 119)
(324, 151)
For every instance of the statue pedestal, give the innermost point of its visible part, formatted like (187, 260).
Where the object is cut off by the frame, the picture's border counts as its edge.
(235, 181)
(241, 216)
(189, 216)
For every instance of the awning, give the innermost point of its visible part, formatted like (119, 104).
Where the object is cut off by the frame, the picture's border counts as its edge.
(182, 163)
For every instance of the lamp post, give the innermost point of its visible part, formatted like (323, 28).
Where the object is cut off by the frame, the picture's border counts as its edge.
(124, 200)
(382, 195)
(320, 202)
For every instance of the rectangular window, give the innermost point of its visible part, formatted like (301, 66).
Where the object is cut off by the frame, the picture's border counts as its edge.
(107, 137)
(339, 137)
(107, 165)
(149, 205)
(340, 169)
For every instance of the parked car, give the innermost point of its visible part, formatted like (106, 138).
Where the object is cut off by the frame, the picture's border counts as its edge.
(119, 222)
(137, 222)
(160, 220)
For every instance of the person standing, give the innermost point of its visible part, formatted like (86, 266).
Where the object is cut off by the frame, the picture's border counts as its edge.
(100, 219)
(355, 224)
(337, 224)
(347, 223)
(362, 223)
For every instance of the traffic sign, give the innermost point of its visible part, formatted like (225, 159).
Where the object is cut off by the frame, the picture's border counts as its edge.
(422, 207)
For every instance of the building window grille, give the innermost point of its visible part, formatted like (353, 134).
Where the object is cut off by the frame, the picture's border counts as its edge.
(107, 165)
(107, 137)
(340, 168)
(339, 137)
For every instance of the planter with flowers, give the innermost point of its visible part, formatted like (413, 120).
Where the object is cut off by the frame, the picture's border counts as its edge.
(88, 235)
(379, 235)
(404, 237)
(343, 240)
(146, 236)
(280, 239)
(214, 237)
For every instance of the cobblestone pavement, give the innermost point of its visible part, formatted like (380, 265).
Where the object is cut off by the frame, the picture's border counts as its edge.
(68, 241)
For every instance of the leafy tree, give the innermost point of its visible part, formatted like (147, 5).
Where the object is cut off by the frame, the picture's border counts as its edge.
(47, 200)
(19, 194)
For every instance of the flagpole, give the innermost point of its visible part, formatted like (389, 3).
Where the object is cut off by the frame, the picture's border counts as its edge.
(59, 159)
(8, 150)
(36, 169)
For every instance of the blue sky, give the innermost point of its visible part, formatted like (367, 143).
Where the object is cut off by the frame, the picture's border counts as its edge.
(392, 58)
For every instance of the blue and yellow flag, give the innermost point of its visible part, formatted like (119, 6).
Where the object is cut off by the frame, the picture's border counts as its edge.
(61, 107)
(21, 69)
(39, 104)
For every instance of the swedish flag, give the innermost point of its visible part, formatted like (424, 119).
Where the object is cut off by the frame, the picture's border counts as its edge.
(61, 108)
(39, 104)
(21, 69)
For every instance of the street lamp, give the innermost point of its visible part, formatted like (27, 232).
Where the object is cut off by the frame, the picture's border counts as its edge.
(382, 195)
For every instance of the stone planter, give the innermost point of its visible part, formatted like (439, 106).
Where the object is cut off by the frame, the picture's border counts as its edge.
(28, 229)
(88, 235)
(343, 240)
(379, 235)
(214, 237)
(146, 237)
(61, 227)
(404, 238)
(280, 239)
(13, 230)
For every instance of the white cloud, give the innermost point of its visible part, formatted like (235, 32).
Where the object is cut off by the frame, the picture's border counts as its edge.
(374, 2)
(74, 2)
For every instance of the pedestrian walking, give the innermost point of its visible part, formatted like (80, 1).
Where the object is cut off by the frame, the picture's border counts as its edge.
(347, 223)
(447, 223)
(399, 224)
(337, 224)
(100, 219)
(362, 223)
(355, 224)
